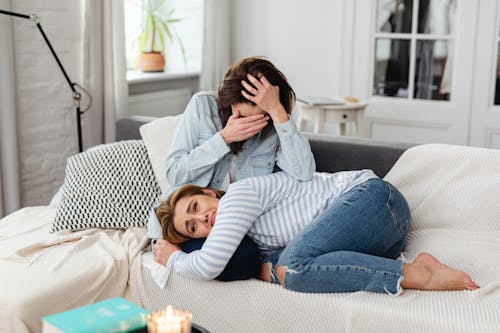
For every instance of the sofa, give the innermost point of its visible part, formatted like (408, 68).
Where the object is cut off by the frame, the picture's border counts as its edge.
(92, 244)
(452, 193)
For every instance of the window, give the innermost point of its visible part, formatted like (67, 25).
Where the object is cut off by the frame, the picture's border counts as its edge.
(414, 48)
(189, 30)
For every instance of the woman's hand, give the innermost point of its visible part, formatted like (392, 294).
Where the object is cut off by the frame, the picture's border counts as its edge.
(265, 96)
(162, 250)
(241, 128)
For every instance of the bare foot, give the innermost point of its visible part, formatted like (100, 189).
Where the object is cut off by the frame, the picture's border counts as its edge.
(427, 273)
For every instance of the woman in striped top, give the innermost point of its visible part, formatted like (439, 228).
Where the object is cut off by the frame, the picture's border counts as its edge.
(338, 232)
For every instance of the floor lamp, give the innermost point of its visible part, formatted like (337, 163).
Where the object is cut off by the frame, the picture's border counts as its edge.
(77, 96)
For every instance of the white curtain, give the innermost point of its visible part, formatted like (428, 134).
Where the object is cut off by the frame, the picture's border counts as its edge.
(105, 68)
(215, 59)
(10, 184)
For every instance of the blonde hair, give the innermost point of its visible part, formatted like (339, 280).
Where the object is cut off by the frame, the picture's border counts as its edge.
(165, 213)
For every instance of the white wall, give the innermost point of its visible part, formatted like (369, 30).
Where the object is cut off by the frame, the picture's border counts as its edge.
(45, 114)
(302, 38)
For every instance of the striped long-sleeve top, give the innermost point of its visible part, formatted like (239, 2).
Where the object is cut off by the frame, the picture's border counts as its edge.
(271, 209)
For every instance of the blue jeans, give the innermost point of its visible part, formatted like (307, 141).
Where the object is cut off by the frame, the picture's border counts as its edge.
(352, 245)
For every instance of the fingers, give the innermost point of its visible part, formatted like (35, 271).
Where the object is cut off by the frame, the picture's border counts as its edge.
(249, 119)
(264, 81)
(257, 84)
(240, 129)
(248, 96)
(251, 131)
(249, 88)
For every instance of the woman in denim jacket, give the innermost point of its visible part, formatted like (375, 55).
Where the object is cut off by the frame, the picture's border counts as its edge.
(243, 130)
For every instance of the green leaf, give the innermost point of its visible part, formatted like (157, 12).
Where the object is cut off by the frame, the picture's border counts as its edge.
(173, 20)
(159, 4)
(162, 41)
(167, 30)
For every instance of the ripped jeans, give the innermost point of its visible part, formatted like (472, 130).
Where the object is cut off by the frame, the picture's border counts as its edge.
(351, 246)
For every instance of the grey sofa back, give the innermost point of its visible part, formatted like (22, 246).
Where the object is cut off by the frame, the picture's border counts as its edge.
(332, 154)
(346, 153)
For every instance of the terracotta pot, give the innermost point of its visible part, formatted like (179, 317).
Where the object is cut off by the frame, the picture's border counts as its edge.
(152, 62)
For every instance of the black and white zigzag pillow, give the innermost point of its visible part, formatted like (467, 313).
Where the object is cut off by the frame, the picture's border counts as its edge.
(111, 186)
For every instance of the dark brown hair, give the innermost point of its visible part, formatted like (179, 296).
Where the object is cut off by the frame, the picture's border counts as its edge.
(229, 90)
(165, 213)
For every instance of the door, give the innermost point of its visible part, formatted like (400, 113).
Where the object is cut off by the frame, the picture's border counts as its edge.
(485, 116)
(412, 61)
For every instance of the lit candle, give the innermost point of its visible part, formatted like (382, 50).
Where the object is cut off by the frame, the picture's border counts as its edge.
(170, 321)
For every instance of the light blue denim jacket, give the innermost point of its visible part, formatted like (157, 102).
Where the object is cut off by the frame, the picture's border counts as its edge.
(200, 156)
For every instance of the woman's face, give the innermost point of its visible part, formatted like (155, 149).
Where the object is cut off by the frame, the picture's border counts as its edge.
(246, 109)
(194, 216)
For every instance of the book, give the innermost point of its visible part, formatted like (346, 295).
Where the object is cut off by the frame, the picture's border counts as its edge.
(319, 100)
(111, 315)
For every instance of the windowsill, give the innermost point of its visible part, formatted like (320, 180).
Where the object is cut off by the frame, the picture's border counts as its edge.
(141, 77)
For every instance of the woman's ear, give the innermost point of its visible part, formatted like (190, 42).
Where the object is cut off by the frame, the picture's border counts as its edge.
(209, 192)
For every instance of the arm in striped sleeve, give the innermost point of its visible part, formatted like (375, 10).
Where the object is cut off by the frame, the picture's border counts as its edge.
(238, 209)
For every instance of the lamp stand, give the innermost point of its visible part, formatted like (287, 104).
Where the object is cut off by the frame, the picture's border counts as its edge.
(77, 96)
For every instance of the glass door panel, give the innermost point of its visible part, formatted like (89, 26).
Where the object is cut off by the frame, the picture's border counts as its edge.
(394, 16)
(433, 70)
(392, 58)
(436, 16)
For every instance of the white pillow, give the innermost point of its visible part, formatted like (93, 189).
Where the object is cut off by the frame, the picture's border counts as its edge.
(157, 136)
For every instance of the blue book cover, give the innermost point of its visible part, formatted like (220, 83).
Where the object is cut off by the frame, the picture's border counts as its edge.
(111, 315)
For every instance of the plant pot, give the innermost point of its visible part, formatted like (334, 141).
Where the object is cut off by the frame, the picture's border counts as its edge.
(152, 62)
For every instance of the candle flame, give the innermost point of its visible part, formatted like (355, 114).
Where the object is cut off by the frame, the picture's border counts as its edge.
(170, 311)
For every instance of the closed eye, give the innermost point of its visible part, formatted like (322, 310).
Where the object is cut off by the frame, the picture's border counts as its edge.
(190, 227)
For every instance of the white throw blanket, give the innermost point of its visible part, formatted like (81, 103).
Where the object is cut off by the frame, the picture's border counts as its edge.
(43, 273)
(454, 196)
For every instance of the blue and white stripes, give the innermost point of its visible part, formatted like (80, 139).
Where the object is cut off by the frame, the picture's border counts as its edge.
(272, 209)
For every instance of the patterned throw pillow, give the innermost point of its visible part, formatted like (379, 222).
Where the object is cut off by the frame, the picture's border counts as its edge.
(111, 186)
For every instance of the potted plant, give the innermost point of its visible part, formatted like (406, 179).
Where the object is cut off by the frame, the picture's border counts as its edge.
(156, 29)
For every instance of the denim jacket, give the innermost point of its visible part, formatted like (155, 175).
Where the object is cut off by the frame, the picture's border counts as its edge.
(200, 156)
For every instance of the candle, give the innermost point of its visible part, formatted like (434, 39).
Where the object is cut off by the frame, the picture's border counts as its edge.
(170, 321)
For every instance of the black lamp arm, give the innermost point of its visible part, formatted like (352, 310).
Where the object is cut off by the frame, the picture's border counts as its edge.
(76, 95)
(35, 20)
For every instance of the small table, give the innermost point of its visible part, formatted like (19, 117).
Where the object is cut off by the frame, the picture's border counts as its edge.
(340, 114)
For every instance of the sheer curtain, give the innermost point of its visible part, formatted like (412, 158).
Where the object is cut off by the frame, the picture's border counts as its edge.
(215, 59)
(105, 68)
(10, 183)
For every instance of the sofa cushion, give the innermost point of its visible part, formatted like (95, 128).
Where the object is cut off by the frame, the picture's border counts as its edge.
(157, 136)
(452, 192)
(111, 186)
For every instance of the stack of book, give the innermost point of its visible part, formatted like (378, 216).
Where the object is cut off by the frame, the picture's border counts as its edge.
(112, 315)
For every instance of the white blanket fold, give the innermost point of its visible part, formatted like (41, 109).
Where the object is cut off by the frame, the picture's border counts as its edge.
(43, 273)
